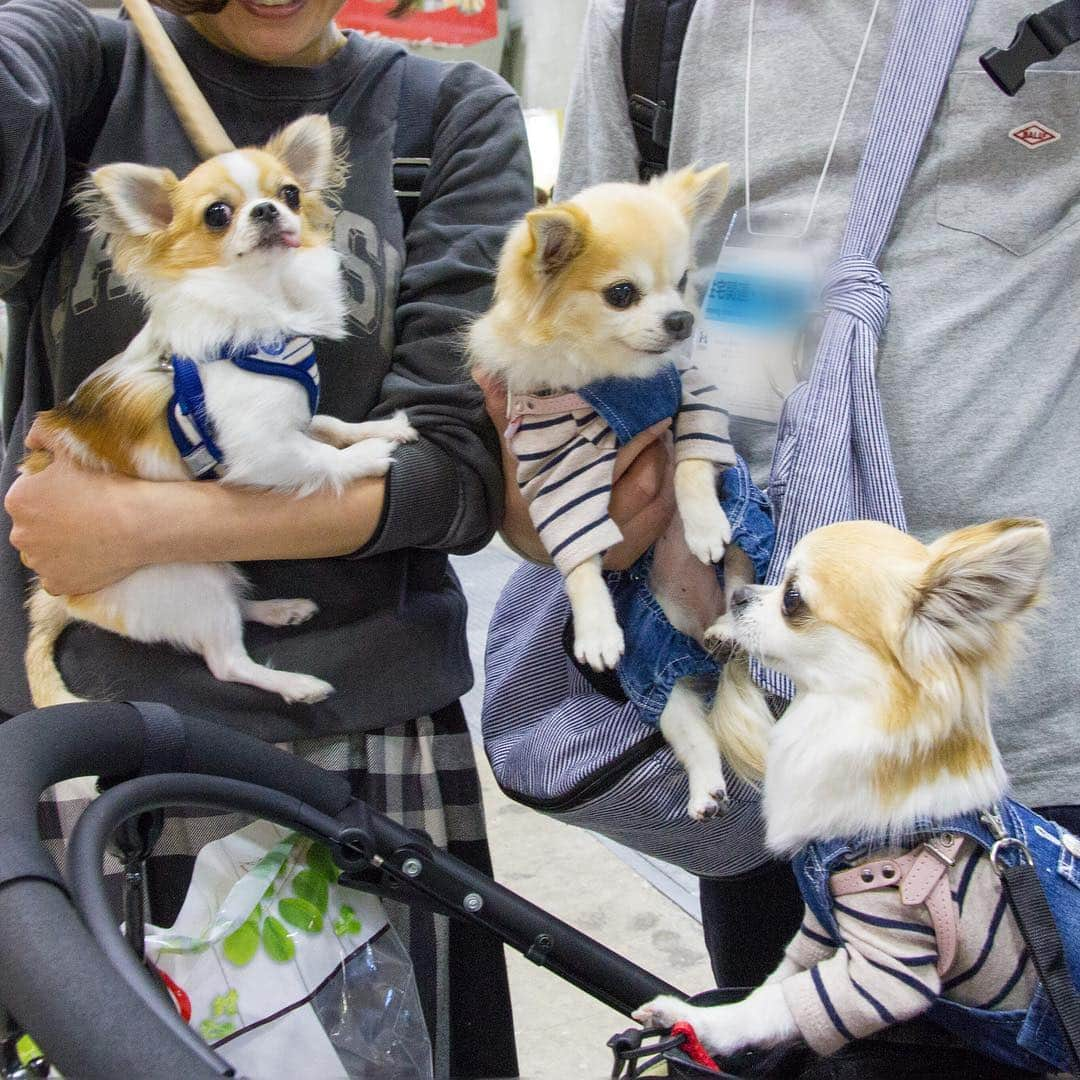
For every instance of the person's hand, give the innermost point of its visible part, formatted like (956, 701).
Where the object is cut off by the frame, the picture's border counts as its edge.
(70, 524)
(642, 499)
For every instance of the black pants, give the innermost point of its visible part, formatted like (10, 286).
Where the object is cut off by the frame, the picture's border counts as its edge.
(748, 920)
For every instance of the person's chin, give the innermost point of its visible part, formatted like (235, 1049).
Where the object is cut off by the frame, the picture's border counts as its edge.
(272, 34)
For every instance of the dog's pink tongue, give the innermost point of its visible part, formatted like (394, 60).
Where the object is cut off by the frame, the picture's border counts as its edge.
(291, 239)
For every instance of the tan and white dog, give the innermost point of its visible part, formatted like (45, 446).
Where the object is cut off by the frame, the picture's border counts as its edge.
(891, 646)
(595, 288)
(236, 252)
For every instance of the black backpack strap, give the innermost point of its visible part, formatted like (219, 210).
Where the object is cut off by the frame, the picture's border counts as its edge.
(652, 41)
(415, 136)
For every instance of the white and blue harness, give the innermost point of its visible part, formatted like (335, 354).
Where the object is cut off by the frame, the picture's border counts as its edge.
(190, 426)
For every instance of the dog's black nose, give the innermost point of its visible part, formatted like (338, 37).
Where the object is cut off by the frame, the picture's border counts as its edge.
(264, 211)
(741, 596)
(679, 324)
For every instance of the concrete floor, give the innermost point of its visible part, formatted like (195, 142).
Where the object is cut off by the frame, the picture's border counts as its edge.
(561, 1031)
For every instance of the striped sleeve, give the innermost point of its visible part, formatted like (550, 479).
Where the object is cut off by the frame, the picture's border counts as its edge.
(811, 944)
(701, 424)
(885, 972)
(565, 468)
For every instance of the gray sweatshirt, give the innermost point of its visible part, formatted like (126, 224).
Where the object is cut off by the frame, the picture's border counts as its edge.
(979, 368)
(390, 634)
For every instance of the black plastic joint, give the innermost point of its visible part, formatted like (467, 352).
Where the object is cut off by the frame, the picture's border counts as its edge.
(1036, 40)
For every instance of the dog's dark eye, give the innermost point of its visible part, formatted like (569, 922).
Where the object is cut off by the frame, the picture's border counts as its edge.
(290, 195)
(218, 215)
(792, 602)
(683, 281)
(622, 294)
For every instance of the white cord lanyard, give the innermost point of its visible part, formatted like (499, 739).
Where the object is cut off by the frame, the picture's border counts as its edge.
(836, 133)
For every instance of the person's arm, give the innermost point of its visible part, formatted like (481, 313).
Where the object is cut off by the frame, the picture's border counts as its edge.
(445, 490)
(598, 144)
(112, 525)
(51, 71)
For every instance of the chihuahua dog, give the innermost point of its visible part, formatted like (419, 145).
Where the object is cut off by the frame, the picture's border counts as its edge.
(235, 267)
(884, 776)
(589, 306)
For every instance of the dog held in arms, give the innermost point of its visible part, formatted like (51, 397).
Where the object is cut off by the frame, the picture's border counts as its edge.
(235, 267)
(584, 332)
(884, 780)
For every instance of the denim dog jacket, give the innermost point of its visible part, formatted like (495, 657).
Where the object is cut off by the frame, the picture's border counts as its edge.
(657, 655)
(1028, 1038)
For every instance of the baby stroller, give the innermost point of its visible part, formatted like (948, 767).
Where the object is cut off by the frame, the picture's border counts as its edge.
(62, 953)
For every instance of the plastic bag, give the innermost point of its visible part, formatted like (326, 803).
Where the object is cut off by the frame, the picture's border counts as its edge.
(286, 973)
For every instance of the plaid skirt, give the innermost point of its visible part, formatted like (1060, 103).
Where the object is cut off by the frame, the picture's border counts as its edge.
(422, 774)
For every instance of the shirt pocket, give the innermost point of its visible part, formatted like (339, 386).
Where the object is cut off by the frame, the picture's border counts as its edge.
(1010, 171)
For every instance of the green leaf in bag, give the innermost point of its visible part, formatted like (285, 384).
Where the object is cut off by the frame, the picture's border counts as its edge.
(348, 923)
(212, 1030)
(298, 912)
(242, 944)
(276, 941)
(320, 860)
(312, 887)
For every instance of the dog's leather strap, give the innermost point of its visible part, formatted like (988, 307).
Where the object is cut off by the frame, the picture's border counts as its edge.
(922, 876)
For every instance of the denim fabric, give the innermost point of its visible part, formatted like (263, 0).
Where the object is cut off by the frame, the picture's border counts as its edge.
(629, 406)
(1029, 1039)
(656, 653)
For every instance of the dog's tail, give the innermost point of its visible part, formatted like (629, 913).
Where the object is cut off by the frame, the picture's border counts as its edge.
(48, 617)
(741, 720)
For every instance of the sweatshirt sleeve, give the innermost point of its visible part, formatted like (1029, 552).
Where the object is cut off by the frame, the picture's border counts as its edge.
(445, 490)
(598, 144)
(51, 70)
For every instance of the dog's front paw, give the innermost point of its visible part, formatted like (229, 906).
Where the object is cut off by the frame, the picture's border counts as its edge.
(372, 457)
(401, 431)
(598, 641)
(305, 690)
(663, 1012)
(707, 530)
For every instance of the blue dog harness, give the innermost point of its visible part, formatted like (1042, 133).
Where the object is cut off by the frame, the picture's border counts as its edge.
(190, 426)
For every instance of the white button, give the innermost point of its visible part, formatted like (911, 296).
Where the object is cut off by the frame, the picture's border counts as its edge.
(1071, 844)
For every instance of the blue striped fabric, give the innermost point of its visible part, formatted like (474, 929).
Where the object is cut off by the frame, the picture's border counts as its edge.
(832, 460)
(547, 731)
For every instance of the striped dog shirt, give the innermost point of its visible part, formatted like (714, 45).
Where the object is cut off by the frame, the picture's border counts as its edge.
(565, 446)
(886, 968)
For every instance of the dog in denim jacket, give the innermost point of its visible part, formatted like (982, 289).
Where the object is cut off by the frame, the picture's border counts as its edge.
(884, 781)
(589, 310)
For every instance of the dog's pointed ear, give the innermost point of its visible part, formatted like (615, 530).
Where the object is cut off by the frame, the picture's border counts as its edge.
(559, 235)
(127, 199)
(980, 581)
(697, 192)
(312, 150)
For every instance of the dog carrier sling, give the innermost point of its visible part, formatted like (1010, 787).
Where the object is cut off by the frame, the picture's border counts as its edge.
(555, 741)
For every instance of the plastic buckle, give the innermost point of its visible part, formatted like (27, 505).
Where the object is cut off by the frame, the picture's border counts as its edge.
(1034, 43)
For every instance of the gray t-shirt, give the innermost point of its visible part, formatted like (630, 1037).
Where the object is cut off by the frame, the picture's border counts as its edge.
(390, 633)
(978, 369)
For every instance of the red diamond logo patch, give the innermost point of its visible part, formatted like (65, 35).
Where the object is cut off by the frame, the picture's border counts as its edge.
(1033, 135)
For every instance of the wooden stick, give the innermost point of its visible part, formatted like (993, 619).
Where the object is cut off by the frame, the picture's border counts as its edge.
(202, 126)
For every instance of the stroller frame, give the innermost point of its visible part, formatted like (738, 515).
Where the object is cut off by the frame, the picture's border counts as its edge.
(148, 757)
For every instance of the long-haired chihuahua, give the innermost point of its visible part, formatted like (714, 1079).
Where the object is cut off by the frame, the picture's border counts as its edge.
(235, 267)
